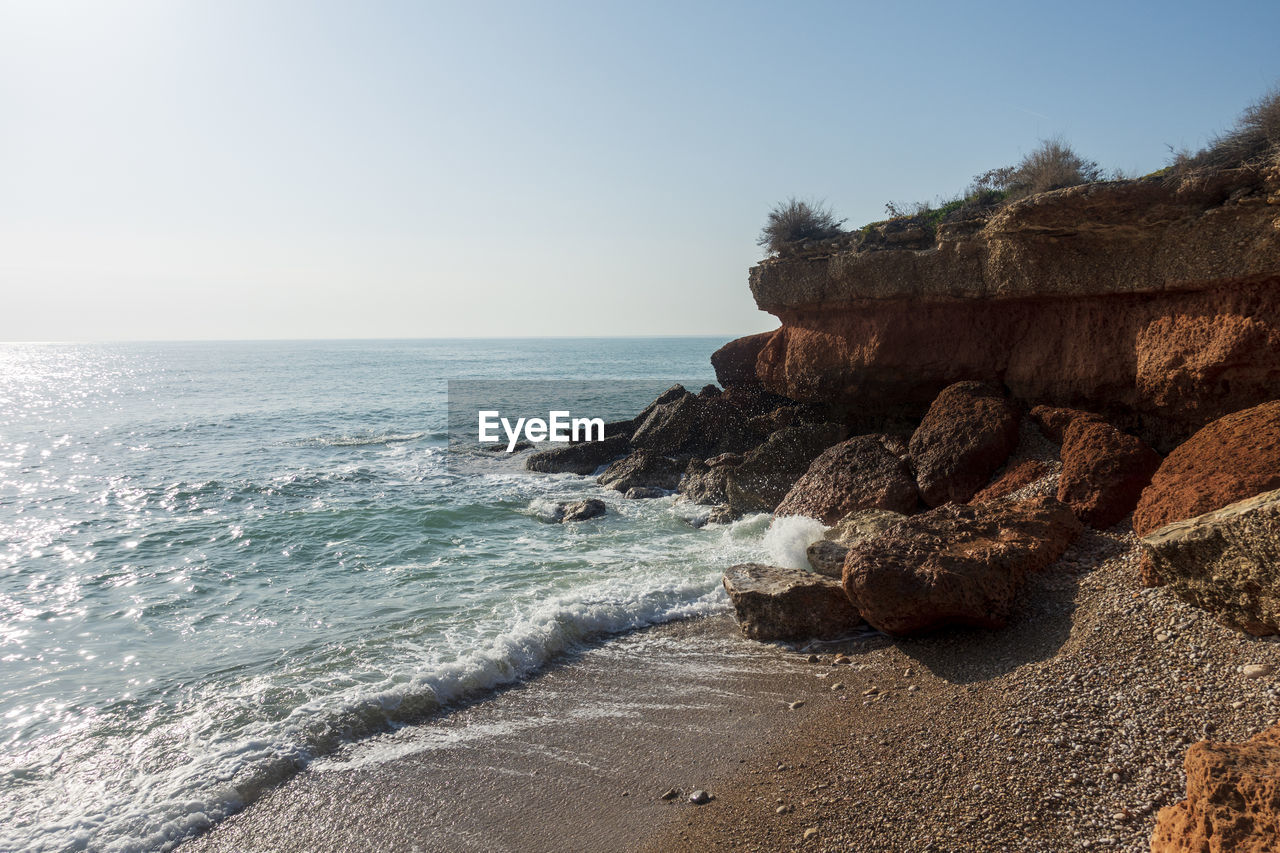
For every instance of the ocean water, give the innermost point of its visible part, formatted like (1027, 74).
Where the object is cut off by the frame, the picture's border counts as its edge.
(220, 562)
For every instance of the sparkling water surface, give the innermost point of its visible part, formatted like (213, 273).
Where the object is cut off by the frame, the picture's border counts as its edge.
(219, 561)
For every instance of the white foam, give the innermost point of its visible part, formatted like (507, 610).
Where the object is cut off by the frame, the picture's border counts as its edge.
(788, 538)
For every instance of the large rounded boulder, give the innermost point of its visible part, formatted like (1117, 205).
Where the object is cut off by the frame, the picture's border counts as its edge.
(1104, 471)
(857, 474)
(967, 434)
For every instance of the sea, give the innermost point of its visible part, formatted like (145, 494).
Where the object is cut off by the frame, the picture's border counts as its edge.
(220, 562)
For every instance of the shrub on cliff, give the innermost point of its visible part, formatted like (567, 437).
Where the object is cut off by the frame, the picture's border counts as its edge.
(1051, 166)
(794, 221)
(1254, 141)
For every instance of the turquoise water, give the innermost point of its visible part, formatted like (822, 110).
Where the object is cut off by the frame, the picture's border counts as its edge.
(220, 561)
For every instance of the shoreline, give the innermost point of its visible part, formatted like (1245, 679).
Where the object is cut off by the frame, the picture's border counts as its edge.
(1064, 731)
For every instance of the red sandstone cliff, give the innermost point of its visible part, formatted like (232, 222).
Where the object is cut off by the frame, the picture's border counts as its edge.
(1154, 301)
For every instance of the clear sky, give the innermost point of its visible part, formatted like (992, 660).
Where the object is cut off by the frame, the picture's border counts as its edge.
(273, 169)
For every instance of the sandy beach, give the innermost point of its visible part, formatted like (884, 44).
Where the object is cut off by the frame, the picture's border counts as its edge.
(1065, 731)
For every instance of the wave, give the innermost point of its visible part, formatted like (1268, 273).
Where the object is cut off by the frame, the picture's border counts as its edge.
(373, 439)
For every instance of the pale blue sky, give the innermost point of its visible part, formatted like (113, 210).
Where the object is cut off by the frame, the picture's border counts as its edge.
(267, 169)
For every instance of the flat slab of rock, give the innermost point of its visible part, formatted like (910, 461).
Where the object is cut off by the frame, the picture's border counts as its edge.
(967, 434)
(1104, 471)
(955, 565)
(582, 458)
(861, 473)
(774, 603)
(1226, 561)
(1233, 799)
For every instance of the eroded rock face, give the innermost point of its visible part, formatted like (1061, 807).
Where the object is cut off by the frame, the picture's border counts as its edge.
(1233, 800)
(857, 474)
(968, 433)
(767, 473)
(693, 426)
(1226, 561)
(643, 469)
(705, 482)
(955, 565)
(774, 603)
(1156, 299)
(1103, 471)
(582, 458)
(1234, 457)
(735, 362)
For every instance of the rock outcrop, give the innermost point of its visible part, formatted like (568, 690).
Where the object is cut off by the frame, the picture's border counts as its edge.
(767, 473)
(582, 458)
(735, 362)
(693, 426)
(1233, 800)
(968, 432)
(857, 474)
(774, 603)
(955, 565)
(579, 510)
(643, 469)
(1235, 457)
(1226, 561)
(1104, 471)
(1154, 301)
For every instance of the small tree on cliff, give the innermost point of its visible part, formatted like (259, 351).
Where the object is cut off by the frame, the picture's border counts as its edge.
(794, 221)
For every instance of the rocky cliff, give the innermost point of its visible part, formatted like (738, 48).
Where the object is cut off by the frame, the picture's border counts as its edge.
(1154, 301)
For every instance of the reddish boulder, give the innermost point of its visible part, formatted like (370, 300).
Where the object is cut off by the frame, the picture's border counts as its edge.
(857, 474)
(774, 603)
(1233, 800)
(735, 362)
(955, 565)
(1103, 471)
(1054, 420)
(1233, 458)
(968, 433)
(1015, 477)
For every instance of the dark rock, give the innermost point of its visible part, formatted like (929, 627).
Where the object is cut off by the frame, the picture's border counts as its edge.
(1054, 420)
(1233, 458)
(699, 798)
(788, 604)
(709, 391)
(767, 473)
(581, 510)
(581, 458)
(705, 483)
(642, 468)
(968, 433)
(723, 515)
(693, 426)
(955, 565)
(1226, 561)
(636, 493)
(854, 475)
(1103, 471)
(735, 362)
(752, 401)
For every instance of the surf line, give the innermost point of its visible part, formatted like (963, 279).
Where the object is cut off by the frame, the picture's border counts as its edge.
(559, 426)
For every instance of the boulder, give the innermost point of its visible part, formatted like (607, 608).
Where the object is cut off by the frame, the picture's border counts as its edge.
(637, 493)
(774, 603)
(827, 558)
(767, 473)
(1226, 561)
(752, 401)
(704, 482)
(857, 474)
(967, 434)
(581, 458)
(1104, 471)
(955, 565)
(1233, 799)
(735, 362)
(1233, 458)
(1014, 477)
(642, 468)
(579, 510)
(857, 527)
(1054, 420)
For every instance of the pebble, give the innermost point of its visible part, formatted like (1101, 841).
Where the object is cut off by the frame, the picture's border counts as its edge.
(1257, 670)
(699, 798)
(799, 703)
(811, 832)
(814, 659)
(670, 794)
(837, 686)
